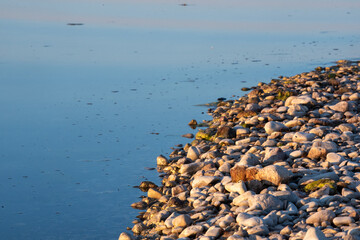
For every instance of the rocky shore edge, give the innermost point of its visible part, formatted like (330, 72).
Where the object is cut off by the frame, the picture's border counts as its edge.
(281, 162)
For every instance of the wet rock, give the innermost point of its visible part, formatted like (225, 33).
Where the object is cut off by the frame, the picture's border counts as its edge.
(145, 185)
(138, 228)
(188, 135)
(161, 161)
(125, 236)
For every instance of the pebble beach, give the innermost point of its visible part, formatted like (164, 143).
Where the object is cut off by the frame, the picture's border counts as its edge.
(280, 162)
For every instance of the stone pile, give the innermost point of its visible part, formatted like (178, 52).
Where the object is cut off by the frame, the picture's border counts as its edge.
(282, 162)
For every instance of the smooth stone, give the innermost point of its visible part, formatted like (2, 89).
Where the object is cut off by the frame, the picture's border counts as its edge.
(269, 143)
(265, 202)
(202, 181)
(274, 174)
(239, 200)
(249, 159)
(271, 219)
(303, 137)
(213, 231)
(303, 99)
(273, 126)
(152, 193)
(125, 236)
(314, 234)
(341, 221)
(261, 230)
(296, 154)
(320, 217)
(288, 196)
(332, 136)
(292, 209)
(138, 228)
(294, 123)
(191, 230)
(193, 153)
(328, 145)
(190, 168)
(238, 187)
(340, 106)
(334, 158)
(285, 231)
(354, 96)
(248, 220)
(273, 154)
(168, 221)
(225, 168)
(297, 110)
(162, 161)
(182, 220)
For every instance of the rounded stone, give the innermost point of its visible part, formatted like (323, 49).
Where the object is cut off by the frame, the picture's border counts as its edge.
(341, 221)
(182, 220)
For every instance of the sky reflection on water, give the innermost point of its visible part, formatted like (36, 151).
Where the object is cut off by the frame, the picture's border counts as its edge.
(81, 104)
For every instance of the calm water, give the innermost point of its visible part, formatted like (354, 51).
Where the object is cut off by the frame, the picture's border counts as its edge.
(85, 108)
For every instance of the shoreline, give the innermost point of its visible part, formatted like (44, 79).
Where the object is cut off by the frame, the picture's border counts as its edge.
(281, 162)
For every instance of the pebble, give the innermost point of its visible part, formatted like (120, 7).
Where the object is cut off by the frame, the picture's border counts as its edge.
(250, 174)
(314, 234)
(321, 217)
(272, 126)
(191, 231)
(340, 221)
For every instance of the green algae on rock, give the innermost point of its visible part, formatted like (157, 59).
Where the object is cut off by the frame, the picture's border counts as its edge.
(315, 185)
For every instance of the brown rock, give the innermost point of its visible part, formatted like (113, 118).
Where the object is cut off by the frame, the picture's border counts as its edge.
(317, 152)
(242, 173)
(225, 132)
